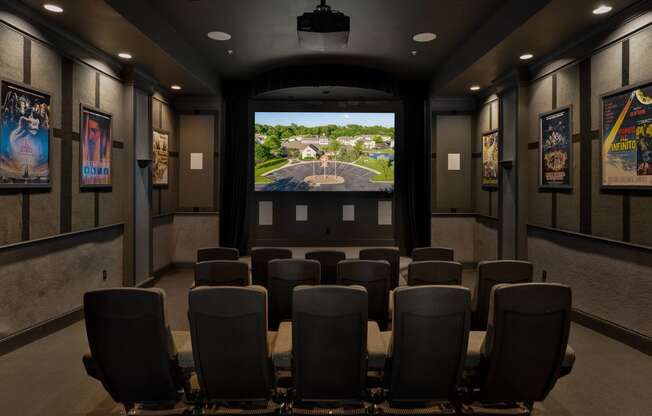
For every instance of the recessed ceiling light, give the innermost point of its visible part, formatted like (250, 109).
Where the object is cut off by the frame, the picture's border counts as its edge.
(414, 53)
(53, 8)
(474, 88)
(124, 55)
(602, 9)
(176, 87)
(218, 35)
(230, 51)
(424, 37)
(526, 56)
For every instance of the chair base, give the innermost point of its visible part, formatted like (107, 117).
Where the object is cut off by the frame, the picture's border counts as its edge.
(157, 410)
(444, 408)
(325, 410)
(269, 408)
(497, 409)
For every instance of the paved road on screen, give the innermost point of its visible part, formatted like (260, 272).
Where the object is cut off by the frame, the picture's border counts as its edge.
(290, 178)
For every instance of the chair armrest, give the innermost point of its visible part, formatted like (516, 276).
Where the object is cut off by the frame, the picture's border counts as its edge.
(474, 349)
(376, 347)
(90, 366)
(568, 361)
(183, 346)
(282, 351)
(271, 340)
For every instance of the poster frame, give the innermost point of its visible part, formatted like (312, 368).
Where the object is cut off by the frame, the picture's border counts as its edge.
(490, 187)
(47, 185)
(602, 97)
(569, 109)
(167, 184)
(82, 107)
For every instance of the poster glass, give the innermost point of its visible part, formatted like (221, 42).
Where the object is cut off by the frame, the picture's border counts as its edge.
(24, 137)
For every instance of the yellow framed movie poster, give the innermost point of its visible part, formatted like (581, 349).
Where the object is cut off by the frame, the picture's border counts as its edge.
(626, 138)
(161, 154)
(490, 159)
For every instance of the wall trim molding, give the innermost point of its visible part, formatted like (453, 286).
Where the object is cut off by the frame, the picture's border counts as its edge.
(211, 212)
(157, 274)
(590, 237)
(595, 238)
(55, 324)
(40, 330)
(22, 244)
(453, 214)
(261, 242)
(614, 331)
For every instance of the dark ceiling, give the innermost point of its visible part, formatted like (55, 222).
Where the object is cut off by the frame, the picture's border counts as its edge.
(555, 27)
(478, 40)
(96, 22)
(264, 33)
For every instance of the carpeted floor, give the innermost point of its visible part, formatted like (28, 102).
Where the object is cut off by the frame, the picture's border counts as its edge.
(47, 377)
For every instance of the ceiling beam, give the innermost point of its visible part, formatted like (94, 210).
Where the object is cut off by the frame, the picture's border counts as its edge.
(153, 25)
(509, 17)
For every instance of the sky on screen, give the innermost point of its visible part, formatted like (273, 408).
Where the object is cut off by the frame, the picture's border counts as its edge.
(322, 119)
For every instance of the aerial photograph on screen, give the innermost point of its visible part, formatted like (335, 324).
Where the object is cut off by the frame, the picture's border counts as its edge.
(296, 151)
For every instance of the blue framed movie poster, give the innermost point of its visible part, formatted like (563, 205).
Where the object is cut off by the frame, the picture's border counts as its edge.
(626, 138)
(95, 148)
(24, 137)
(555, 149)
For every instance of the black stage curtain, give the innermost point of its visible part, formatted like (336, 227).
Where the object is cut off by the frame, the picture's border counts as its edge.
(412, 170)
(235, 171)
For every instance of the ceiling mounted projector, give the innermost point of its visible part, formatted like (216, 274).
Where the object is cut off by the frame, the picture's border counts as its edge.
(323, 29)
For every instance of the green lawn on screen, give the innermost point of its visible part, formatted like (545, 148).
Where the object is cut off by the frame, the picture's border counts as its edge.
(264, 167)
(386, 173)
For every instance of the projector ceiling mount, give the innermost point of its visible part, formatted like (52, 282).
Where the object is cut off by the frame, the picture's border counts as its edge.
(323, 29)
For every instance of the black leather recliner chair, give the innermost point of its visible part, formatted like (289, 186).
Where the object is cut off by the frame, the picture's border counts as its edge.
(491, 273)
(329, 338)
(221, 273)
(231, 347)
(434, 272)
(284, 276)
(373, 275)
(260, 257)
(217, 253)
(328, 260)
(433, 254)
(132, 351)
(427, 349)
(526, 348)
(391, 255)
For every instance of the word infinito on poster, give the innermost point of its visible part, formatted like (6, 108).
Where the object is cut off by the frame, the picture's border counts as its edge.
(490, 159)
(627, 138)
(24, 137)
(96, 148)
(160, 166)
(556, 146)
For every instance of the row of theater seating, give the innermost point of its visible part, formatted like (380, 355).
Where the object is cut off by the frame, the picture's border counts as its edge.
(274, 269)
(431, 361)
(328, 259)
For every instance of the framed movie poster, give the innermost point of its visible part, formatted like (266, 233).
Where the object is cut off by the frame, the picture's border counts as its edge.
(96, 148)
(626, 138)
(160, 165)
(24, 137)
(555, 149)
(490, 159)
